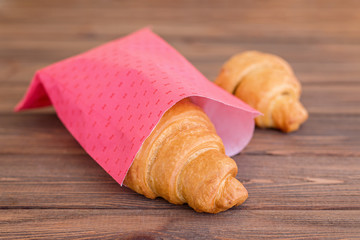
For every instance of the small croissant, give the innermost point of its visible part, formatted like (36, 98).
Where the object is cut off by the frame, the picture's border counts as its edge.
(267, 83)
(183, 161)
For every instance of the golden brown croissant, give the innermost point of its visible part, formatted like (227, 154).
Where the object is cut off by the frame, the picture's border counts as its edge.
(267, 83)
(183, 160)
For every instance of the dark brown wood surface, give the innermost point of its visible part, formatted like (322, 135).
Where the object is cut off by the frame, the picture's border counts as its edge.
(303, 185)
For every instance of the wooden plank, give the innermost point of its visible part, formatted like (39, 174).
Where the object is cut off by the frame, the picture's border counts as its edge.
(251, 32)
(171, 15)
(43, 133)
(50, 51)
(305, 23)
(322, 98)
(179, 224)
(273, 4)
(274, 182)
(20, 71)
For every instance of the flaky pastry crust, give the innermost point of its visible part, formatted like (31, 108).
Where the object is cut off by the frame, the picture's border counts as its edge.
(183, 161)
(267, 83)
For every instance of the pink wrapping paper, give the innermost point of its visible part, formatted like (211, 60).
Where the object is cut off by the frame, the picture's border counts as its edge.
(110, 98)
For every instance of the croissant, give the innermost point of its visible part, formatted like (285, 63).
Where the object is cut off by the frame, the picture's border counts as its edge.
(267, 83)
(183, 161)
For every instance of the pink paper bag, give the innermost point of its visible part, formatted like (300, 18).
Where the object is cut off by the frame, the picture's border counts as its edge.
(110, 98)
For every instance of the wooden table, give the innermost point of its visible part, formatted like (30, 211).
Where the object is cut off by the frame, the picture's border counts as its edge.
(302, 185)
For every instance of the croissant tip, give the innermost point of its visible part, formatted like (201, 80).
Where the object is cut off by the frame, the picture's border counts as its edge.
(299, 119)
(289, 114)
(234, 194)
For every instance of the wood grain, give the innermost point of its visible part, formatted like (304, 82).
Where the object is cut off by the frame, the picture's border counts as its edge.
(303, 185)
(43, 133)
(326, 99)
(274, 183)
(323, 74)
(165, 224)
